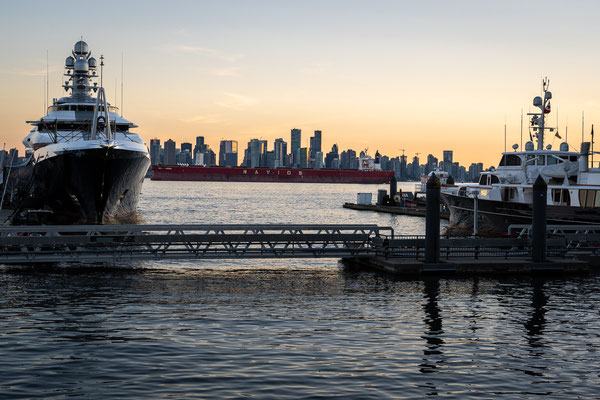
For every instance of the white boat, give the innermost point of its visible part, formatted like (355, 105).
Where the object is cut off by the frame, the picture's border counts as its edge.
(504, 194)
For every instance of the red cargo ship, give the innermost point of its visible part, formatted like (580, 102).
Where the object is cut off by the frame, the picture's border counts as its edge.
(243, 174)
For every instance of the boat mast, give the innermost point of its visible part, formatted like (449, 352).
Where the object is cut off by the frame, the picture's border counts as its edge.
(539, 118)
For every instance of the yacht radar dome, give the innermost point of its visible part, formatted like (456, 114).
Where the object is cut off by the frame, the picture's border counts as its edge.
(81, 47)
(70, 62)
(81, 65)
(564, 146)
(93, 63)
(537, 101)
(529, 146)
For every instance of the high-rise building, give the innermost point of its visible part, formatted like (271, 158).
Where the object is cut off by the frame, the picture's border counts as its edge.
(170, 154)
(228, 153)
(199, 144)
(432, 164)
(280, 148)
(263, 153)
(447, 160)
(302, 157)
(318, 160)
(295, 144)
(186, 147)
(270, 159)
(315, 146)
(332, 155)
(256, 153)
(154, 151)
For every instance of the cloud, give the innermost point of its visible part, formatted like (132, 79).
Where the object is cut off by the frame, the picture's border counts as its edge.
(236, 101)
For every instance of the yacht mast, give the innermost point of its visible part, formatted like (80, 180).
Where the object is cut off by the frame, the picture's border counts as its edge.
(539, 119)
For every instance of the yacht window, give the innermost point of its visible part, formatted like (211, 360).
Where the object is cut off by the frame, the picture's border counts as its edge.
(510, 193)
(556, 195)
(494, 179)
(530, 160)
(573, 158)
(552, 160)
(510, 160)
(483, 180)
(597, 202)
(587, 198)
(540, 160)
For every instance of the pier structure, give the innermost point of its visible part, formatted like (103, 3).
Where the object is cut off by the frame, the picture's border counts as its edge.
(535, 248)
(122, 243)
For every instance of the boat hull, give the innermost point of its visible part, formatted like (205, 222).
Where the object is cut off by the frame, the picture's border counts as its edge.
(89, 185)
(494, 217)
(241, 174)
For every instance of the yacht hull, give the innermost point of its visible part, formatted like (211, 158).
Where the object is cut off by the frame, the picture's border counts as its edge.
(496, 216)
(89, 185)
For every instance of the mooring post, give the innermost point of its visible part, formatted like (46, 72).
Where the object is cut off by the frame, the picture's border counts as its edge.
(432, 221)
(538, 223)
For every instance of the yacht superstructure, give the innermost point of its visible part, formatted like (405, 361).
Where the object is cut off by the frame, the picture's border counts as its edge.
(88, 164)
(504, 194)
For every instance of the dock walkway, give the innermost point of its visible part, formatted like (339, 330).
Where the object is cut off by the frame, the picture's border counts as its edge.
(413, 211)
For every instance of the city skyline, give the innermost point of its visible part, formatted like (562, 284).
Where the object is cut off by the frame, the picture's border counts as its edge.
(393, 75)
(258, 155)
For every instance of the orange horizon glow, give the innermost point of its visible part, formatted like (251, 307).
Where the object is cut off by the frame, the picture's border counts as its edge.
(387, 77)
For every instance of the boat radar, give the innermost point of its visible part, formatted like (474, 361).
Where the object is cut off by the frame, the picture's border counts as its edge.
(538, 120)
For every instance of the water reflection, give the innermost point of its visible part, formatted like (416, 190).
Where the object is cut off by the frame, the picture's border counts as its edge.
(433, 355)
(535, 325)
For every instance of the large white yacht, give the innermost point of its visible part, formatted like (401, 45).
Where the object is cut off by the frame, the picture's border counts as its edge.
(88, 164)
(504, 194)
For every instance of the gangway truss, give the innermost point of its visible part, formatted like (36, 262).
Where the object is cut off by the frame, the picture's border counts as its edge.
(123, 243)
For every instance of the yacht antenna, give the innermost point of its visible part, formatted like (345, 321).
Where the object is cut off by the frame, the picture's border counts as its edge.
(121, 84)
(101, 69)
(582, 114)
(592, 145)
(521, 129)
(47, 87)
(505, 137)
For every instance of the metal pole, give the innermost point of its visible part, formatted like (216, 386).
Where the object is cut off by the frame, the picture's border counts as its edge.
(476, 214)
(7, 178)
(432, 221)
(538, 223)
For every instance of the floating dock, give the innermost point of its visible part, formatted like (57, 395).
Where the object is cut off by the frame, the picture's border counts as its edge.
(413, 211)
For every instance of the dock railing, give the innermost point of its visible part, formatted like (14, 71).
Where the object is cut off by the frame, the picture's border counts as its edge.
(465, 247)
(107, 243)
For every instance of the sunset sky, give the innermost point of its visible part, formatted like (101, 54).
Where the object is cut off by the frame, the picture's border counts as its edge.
(423, 76)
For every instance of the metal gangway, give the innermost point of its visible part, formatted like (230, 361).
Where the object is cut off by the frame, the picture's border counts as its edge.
(124, 243)
(577, 237)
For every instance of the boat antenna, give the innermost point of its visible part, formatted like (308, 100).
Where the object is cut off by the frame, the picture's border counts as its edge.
(582, 118)
(521, 129)
(101, 69)
(592, 145)
(121, 84)
(47, 86)
(505, 136)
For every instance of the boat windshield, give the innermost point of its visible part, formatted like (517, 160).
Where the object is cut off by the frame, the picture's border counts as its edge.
(510, 160)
